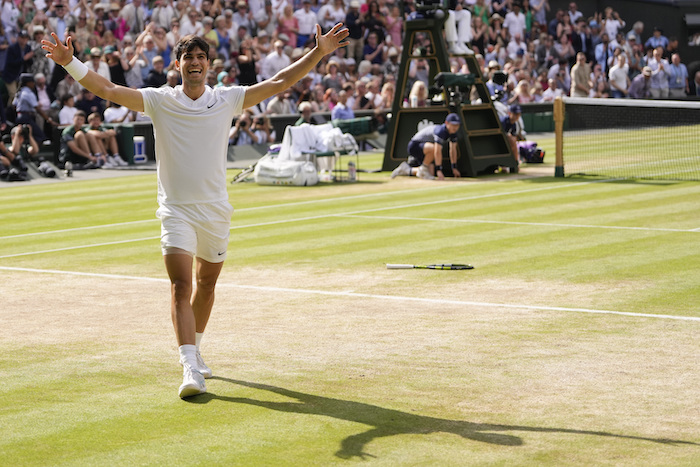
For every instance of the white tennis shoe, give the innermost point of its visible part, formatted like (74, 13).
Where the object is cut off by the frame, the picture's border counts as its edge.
(424, 173)
(402, 169)
(192, 383)
(202, 367)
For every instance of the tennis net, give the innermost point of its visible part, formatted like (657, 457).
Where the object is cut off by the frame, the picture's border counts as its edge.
(637, 139)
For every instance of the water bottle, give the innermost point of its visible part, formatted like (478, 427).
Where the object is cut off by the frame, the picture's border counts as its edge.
(139, 150)
(69, 169)
(352, 172)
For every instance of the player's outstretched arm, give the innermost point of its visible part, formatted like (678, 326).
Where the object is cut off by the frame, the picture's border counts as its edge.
(325, 44)
(97, 84)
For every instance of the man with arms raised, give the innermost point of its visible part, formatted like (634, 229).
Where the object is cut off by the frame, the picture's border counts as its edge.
(191, 124)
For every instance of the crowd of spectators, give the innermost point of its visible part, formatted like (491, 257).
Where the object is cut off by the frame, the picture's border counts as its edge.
(545, 53)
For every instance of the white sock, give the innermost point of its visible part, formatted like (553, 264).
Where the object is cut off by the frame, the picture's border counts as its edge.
(198, 338)
(188, 355)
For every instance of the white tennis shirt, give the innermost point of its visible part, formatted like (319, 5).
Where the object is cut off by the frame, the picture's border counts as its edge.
(191, 139)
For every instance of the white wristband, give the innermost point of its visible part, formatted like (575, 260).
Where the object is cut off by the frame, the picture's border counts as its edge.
(76, 69)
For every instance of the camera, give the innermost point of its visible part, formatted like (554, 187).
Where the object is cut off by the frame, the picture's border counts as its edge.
(244, 124)
(46, 169)
(24, 131)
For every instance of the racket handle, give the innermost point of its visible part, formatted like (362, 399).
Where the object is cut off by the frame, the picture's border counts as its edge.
(399, 266)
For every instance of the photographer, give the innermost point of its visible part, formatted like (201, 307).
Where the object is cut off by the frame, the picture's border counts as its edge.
(261, 128)
(12, 165)
(241, 133)
(23, 142)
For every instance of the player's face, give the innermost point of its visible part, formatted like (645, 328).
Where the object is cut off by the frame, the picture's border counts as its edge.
(193, 66)
(452, 128)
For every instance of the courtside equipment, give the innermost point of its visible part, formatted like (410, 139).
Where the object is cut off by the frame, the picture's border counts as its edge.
(430, 266)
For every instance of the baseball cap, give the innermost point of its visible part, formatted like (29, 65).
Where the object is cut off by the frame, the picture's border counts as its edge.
(23, 33)
(453, 118)
(515, 108)
(631, 37)
(25, 78)
(95, 52)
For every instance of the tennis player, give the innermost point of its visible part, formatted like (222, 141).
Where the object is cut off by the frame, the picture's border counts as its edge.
(191, 123)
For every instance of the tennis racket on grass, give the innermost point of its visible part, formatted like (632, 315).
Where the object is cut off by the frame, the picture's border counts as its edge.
(430, 266)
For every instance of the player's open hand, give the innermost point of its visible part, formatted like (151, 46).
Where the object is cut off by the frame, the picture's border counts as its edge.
(333, 39)
(59, 53)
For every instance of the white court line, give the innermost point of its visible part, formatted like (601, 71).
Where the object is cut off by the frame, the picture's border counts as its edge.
(320, 216)
(542, 224)
(432, 301)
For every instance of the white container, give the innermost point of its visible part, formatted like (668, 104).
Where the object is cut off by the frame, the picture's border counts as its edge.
(140, 150)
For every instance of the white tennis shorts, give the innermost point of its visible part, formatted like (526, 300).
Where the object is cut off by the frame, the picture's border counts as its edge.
(200, 229)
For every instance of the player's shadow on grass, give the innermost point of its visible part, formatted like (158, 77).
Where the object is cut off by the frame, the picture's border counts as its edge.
(387, 422)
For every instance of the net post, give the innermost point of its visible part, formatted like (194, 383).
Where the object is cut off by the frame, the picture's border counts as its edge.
(559, 136)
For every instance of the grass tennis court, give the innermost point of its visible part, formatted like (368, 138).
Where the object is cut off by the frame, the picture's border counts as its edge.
(574, 341)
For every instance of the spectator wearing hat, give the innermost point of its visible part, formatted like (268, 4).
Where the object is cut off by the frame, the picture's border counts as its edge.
(657, 39)
(498, 35)
(306, 19)
(640, 88)
(96, 64)
(391, 66)
(115, 22)
(28, 108)
(19, 57)
(425, 150)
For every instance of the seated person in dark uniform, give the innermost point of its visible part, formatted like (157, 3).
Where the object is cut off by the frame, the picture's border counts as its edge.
(426, 147)
(75, 147)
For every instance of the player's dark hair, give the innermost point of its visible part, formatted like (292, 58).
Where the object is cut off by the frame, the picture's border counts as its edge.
(188, 44)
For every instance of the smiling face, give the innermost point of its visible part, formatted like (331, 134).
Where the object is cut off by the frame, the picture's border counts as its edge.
(193, 66)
